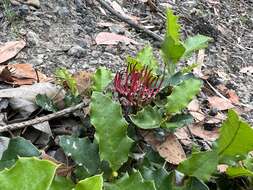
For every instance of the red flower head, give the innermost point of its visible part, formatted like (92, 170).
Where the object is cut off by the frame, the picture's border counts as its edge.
(137, 86)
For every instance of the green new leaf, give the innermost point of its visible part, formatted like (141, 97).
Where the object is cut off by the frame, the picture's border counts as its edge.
(45, 102)
(146, 58)
(182, 95)
(195, 43)
(134, 181)
(101, 79)
(172, 51)
(238, 172)
(92, 183)
(197, 166)
(64, 77)
(172, 26)
(111, 130)
(148, 118)
(61, 183)
(82, 151)
(28, 174)
(235, 136)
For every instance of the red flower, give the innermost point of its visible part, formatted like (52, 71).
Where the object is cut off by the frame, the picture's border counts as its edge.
(137, 86)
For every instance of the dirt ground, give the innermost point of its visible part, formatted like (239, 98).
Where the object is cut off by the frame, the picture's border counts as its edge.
(61, 33)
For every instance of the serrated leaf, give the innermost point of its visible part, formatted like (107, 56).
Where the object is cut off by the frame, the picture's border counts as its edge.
(111, 130)
(45, 102)
(172, 26)
(28, 174)
(178, 121)
(61, 183)
(235, 136)
(82, 151)
(65, 78)
(146, 58)
(92, 183)
(172, 51)
(148, 118)
(134, 181)
(195, 43)
(238, 172)
(19, 147)
(182, 95)
(101, 79)
(196, 165)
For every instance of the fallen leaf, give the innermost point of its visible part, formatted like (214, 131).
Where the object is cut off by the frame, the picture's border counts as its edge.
(193, 105)
(21, 74)
(23, 98)
(10, 49)
(217, 119)
(171, 149)
(232, 96)
(44, 127)
(199, 131)
(84, 81)
(220, 103)
(200, 60)
(183, 136)
(198, 115)
(108, 38)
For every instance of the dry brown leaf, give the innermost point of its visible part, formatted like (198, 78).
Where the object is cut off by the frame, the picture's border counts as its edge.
(21, 74)
(84, 81)
(193, 105)
(198, 115)
(219, 103)
(10, 50)
(108, 38)
(171, 149)
(217, 119)
(183, 136)
(62, 170)
(199, 131)
(232, 96)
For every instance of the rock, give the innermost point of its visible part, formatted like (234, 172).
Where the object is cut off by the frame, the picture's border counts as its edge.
(76, 51)
(62, 11)
(34, 3)
(32, 38)
(23, 10)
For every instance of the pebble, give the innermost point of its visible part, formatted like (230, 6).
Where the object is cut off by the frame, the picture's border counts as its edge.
(76, 51)
(32, 38)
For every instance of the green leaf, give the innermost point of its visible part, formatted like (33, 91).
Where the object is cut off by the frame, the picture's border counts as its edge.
(65, 77)
(160, 176)
(172, 51)
(92, 183)
(28, 174)
(189, 68)
(182, 95)
(45, 102)
(82, 151)
(195, 184)
(235, 136)
(148, 118)
(176, 79)
(101, 79)
(134, 181)
(146, 58)
(70, 99)
(19, 147)
(172, 26)
(195, 43)
(200, 165)
(178, 121)
(238, 172)
(61, 183)
(111, 130)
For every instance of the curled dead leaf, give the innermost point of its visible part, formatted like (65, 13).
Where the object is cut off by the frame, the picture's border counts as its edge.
(199, 131)
(220, 103)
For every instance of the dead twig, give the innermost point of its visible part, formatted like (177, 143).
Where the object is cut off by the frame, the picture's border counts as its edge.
(130, 22)
(42, 119)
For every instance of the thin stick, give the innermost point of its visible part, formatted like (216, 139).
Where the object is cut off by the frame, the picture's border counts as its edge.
(129, 21)
(42, 119)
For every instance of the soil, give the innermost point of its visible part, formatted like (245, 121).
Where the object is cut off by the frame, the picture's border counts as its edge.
(61, 33)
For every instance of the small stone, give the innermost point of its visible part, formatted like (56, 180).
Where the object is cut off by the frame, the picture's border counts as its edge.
(117, 29)
(76, 51)
(34, 3)
(23, 10)
(62, 11)
(32, 38)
